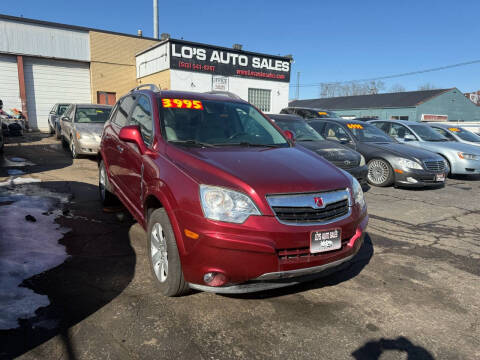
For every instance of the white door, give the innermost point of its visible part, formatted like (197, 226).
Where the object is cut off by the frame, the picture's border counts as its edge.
(48, 82)
(9, 88)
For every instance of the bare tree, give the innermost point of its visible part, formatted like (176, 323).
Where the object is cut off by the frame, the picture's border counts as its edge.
(397, 88)
(350, 89)
(427, 86)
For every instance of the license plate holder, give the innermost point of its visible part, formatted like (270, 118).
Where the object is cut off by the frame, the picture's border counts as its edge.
(440, 177)
(325, 240)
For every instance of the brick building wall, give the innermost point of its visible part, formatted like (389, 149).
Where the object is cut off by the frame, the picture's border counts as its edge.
(112, 64)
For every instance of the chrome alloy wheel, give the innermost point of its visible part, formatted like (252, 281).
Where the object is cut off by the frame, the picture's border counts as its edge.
(159, 253)
(378, 172)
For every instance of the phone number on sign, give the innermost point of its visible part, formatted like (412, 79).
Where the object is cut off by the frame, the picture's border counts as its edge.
(182, 104)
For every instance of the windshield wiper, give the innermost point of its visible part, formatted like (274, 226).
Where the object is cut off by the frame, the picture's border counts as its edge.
(191, 143)
(247, 144)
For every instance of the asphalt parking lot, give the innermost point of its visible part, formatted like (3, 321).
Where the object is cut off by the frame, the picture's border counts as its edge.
(411, 292)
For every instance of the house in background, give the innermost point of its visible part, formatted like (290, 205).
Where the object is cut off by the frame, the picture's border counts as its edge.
(425, 105)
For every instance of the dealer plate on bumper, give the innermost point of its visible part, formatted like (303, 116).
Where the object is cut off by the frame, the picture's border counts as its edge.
(440, 177)
(321, 241)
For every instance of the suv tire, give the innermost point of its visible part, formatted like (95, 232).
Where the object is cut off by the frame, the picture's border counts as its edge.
(164, 259)
(106, 197)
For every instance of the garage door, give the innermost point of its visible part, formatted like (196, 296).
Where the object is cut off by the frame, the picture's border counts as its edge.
(48, 82)
(9, 89)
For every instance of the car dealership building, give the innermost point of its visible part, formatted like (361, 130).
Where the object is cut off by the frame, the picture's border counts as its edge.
(43, 63)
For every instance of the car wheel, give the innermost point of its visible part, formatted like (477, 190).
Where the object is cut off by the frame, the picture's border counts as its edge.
(73, 149)
(380, 173)
(106, 197)
(163, 256)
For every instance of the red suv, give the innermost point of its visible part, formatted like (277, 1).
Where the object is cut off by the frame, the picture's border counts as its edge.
(229, 203)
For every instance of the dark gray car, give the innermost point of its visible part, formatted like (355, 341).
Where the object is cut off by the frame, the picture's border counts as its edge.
(338, 154)
(54, 117)
(82, 126)
(388, 161)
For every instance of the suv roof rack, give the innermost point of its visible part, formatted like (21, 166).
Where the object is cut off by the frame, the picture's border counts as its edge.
(224, 93)
(152, 87)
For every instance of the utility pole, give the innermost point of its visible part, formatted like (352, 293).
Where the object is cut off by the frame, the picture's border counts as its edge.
(155, 19)
(298, 85)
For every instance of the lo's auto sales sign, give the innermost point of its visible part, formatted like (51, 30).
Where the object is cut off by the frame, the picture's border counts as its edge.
(220, 61)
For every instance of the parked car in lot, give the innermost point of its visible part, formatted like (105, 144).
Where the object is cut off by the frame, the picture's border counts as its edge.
(228, 204)
(309, 113)
(456, 133)
(388, 161)
(2, 140)
(461, 158)
(81, 127)
(338, 154)
(54, 118)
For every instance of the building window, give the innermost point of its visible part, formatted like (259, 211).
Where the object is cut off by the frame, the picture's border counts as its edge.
(398, 117)
(260, 98)
(106, 98)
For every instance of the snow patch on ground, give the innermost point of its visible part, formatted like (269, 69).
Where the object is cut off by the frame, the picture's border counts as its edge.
(27, 248)
(19, 181)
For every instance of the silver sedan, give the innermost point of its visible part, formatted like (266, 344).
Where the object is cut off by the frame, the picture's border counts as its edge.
(82, 127)
(456, 133)
(462, 158)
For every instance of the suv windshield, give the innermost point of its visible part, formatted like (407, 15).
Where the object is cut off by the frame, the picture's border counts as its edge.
(207, 122)
(466, 135)
(61, 109)
(302, 131)
(368, 133)
(91, 115)
(426, 133)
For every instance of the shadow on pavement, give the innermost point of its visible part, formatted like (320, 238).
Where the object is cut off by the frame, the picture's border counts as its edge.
(331, 277)
(372, 350)
(101, 264)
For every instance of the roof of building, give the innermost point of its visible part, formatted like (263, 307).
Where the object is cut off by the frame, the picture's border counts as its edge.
(388, 100)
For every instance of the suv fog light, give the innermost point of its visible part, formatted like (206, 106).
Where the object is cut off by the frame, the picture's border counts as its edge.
(412, 180)
(214, 279)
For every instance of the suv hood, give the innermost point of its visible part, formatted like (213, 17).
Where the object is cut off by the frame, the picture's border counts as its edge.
(259, 170)
(331, 151)
(404, 150)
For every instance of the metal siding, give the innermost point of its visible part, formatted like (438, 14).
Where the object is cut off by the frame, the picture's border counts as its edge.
(49, 82)
(452, 103)
(9, 88)
(40, 40)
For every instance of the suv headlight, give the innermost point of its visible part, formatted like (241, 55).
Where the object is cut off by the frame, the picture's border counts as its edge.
(466, 156)
(362, 160)
(357, 193)
(226, 205)
(409, 164)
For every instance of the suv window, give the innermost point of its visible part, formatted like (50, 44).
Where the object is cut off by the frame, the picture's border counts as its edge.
(384, 126)
(142, 117)
(124, 107)
(399, 131)
(68, 112)
(61, 109)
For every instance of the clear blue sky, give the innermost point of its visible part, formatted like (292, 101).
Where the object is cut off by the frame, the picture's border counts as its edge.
(330, 40)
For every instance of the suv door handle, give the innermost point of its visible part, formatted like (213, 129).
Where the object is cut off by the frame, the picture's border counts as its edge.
(119, 148)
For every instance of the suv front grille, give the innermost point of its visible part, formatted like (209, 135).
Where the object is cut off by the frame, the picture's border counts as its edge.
(435, 165)
(307, 214)
(305, 209)
(288, 256)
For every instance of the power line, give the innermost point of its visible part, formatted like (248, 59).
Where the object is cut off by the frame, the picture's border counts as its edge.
(391, 76)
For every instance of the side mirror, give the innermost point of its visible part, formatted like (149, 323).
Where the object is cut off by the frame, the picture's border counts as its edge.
(289, 135)
(64, 118)
(409, 137)
(52, 112)
(344, 140)
(132, 134)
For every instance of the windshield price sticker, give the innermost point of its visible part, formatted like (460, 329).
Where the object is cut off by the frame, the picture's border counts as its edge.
(355, 126)
(322, 113)
(454, 129)
(182, 104)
